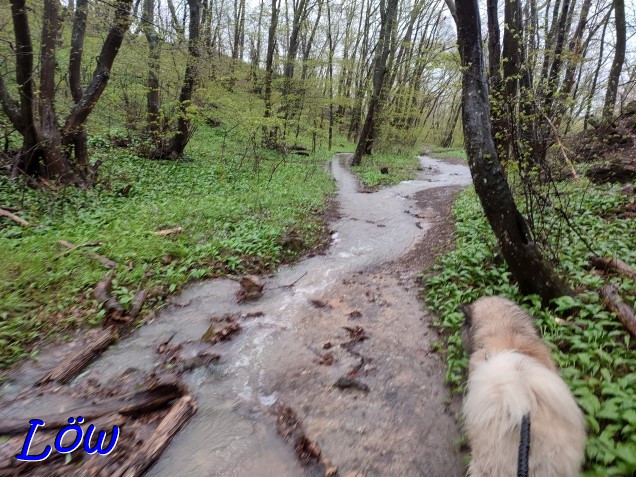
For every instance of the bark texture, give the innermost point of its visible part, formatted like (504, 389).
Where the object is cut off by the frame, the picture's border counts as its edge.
(533, 273)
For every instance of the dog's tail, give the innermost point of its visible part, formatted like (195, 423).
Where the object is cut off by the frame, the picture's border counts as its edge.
(505, 388)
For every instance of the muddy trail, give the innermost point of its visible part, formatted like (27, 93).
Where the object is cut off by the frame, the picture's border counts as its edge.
(335, 356)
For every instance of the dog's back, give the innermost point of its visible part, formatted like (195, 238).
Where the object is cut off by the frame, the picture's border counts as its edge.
(511, 375)
(502, 390)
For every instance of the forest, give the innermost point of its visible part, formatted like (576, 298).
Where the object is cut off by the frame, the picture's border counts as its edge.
(266, 174)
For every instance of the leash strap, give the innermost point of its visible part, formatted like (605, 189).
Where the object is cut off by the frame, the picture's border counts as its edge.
(524, 447)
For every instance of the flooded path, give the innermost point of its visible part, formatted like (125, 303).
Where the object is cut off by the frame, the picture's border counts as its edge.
(351, 314)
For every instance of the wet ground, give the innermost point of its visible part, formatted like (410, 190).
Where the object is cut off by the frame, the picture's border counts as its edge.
(341, 339)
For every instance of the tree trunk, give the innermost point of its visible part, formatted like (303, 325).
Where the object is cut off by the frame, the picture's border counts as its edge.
(599, 63)
(48, 148)
(256, 53)
(182, 136)
(268, 135)
(154, 55)
(532, 272)
(617, 64)
(388, 12)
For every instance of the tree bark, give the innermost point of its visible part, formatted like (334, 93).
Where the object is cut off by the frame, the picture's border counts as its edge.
(617, 64)
(182, 136)
(532, 272)
(268, 135)
(154, 56)
(77, 49)
(388, 12)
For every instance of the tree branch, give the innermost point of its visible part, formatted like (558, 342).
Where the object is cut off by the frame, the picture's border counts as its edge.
(24, 67)
(10, 107)
(110, 48)
(77, 48)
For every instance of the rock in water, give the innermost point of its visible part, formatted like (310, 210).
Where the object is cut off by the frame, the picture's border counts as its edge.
(251, 288)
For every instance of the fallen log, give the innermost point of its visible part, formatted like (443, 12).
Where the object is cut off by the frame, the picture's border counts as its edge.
(615, 303)
(16, 218)
(614, 264)
(153, 397)
(181, 412)
(107, 262)
(70, 368)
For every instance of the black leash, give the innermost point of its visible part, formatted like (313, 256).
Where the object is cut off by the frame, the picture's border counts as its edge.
(524, 447)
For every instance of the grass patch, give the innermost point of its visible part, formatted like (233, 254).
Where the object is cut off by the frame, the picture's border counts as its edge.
(448, 153)
(401, 167)
(233, 208)
(596, 355)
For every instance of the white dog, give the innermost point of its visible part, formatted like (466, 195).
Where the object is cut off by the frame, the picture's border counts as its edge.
(513, 380)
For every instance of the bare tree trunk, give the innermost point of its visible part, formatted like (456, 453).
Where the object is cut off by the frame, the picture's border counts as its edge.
(239, 29)
(268, 135)
(617, 64)
(55, 162)
(256, 52)
(300, 14)
(330, 73)
(530, 269)
(183, 134)
(452, 122)
(154, 55)
(590, 96)
(388, 12)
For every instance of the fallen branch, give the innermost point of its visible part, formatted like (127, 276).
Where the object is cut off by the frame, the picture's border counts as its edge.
(17, 219)
(75, 247)
(615, 303)
(181, 412)
(107, 262)
(614, 264)
(138, 301)
(71, 367)
(163, 233)
(102, 294)
(153, 397)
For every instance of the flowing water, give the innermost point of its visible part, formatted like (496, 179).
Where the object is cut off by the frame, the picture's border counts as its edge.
(399, 427)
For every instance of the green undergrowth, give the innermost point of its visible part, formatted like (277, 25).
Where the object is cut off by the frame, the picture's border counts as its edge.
(401, 167)
(448, 153)
(240, 212)
(593, 349)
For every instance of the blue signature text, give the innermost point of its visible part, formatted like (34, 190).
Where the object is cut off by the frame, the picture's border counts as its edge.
(72, 431)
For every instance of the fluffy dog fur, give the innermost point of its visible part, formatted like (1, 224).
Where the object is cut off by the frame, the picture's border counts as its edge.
(511, 373)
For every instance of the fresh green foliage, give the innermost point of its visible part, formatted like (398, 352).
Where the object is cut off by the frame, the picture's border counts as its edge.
(234, 206)
(595, 352)
(401, 167)
(448, 153)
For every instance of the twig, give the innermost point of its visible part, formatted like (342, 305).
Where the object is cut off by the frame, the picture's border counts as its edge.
(75, 247)
(561, 146)
(291, 284)
(15, 218)
(107, 262)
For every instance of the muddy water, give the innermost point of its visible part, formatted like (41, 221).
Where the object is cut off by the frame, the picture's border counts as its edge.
(399, 427)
